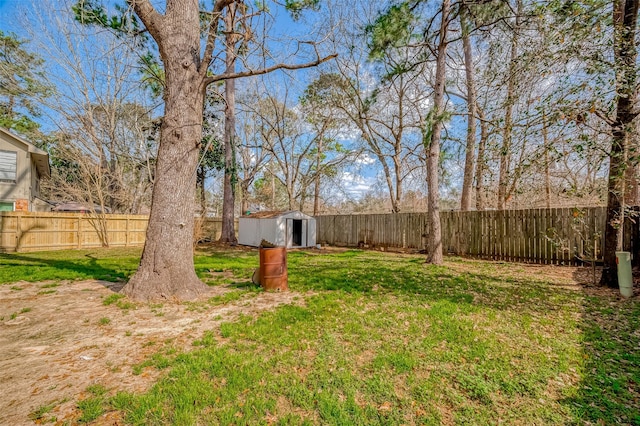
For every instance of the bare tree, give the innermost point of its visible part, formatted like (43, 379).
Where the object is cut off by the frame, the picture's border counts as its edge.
(166, 269)
(253, 155)
(228, 233)
(625, 21)
(432, 144)
(507, 135)
(103, 149)
(301, 154)
(467, 182)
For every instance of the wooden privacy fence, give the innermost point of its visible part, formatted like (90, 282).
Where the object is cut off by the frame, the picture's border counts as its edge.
(21, 231)
(556, 236)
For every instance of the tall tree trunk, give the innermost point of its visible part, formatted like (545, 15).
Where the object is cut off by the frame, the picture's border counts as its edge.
(632, 190)
(434, 237)
(316, 196)
(244, 194)
(228, 233)
(166, 268)
(395, 206)
(303, 200)
(273, 191)
(291, 199)
(547, 161)
(316, 183)
(202, 196)
(484, 136)
(507, 133)
(397, 171)
(625, 16)
(467, 181)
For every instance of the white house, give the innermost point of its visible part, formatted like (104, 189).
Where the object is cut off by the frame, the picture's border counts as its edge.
(283, 229)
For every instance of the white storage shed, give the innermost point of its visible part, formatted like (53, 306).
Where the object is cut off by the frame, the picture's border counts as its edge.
(290, 229)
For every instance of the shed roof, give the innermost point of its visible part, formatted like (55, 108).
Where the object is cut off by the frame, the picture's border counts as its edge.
(265, 214)
(271, 214)
(73, 206)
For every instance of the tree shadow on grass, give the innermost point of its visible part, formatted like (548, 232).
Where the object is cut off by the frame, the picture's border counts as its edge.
(609, 390)
(35, 267)
(104, 264)
(411, 277)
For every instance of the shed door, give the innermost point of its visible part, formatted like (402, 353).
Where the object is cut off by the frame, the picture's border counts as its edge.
(296, 232)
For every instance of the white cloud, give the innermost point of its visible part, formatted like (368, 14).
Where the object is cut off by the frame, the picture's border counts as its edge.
(365, 159)
(348, 133)
(357, 185)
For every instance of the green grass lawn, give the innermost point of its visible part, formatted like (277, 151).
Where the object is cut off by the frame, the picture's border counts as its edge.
(384, 339)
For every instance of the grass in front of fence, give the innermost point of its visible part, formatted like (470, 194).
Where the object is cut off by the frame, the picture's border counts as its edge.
(99, 264)
(116, 264)
(384, 339)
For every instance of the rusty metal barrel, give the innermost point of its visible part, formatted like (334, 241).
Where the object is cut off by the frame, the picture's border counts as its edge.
(273, 269)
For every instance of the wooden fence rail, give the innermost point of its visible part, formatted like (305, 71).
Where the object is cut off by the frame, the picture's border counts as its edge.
(21, 231)
(551, 236)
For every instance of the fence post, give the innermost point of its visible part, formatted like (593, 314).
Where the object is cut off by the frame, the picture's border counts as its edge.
(79, 225)
(18, 231)
(126, 241)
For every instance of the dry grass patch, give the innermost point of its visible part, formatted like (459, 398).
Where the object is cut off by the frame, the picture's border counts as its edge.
(70, 340)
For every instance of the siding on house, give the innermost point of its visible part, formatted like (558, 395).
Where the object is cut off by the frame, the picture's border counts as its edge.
(22, 165)
(18, 187)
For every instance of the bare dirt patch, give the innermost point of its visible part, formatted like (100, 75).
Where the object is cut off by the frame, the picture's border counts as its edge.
(571, 277)
(57, 340)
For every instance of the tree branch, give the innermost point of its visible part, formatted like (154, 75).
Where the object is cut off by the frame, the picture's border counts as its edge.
(604, 117)
(248, 73)
(150, 17)
(216, 14)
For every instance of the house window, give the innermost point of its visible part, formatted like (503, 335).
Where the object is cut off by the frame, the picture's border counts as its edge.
(6, 207)
(8, 166)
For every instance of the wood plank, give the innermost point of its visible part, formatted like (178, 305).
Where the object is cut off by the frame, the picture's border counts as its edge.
(486, 241)
(515, 234)
(473, 244)
(499, 234)
(480, 225)
(519, 231)
(530, 235)
(571, 220)
(477, 233)
(494, 235)
(522, 236)
(550, 225)
(512, 225)
(542, 221)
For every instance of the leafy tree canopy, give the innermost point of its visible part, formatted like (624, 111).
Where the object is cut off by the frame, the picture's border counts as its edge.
(22, 84)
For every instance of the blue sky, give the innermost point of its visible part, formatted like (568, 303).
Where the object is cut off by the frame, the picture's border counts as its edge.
(9, 13)
(6, 7)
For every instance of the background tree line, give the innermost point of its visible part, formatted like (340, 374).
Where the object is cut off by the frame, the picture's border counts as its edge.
(536, 140)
